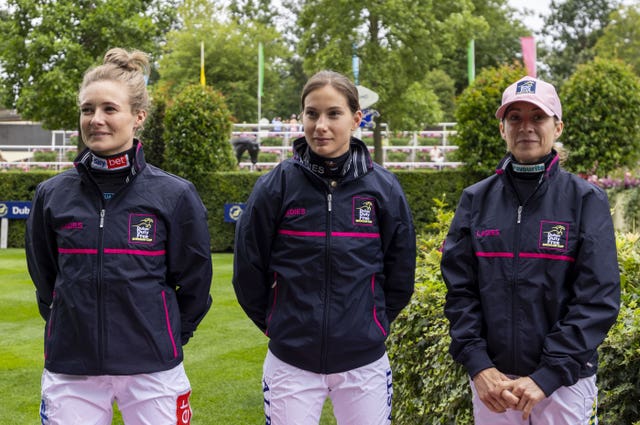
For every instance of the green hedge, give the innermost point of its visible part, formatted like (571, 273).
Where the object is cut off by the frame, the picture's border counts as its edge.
(219, 188)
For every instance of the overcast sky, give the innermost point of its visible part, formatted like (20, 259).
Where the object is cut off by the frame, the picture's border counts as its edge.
(537, 6)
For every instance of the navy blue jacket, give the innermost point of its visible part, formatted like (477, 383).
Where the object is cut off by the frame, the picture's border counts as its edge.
(323, 269)
(122, 284)
(533, 288)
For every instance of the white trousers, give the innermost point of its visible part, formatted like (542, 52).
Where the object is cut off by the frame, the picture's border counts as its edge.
(294, 396)
(160, 398)
(574, 405)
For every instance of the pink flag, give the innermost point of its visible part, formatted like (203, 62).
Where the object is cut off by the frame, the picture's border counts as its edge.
(529, 54)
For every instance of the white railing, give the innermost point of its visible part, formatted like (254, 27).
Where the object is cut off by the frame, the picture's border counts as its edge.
(21, 157)
(283, 150)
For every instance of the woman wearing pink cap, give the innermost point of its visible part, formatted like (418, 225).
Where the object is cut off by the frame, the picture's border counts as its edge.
(532, 275)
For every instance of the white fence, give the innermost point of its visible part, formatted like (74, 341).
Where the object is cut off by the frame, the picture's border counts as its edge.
(441, 134)
(417, 154)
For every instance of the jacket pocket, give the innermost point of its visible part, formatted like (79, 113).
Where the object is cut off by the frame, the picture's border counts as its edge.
(168, 323)
(380, 320)
(274, 303)
(49, 328)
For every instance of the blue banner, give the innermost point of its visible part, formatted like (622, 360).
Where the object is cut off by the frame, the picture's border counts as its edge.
(232, 212)
(15, 209)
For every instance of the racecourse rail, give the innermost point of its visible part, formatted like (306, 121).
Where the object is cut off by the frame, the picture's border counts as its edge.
(21, 156)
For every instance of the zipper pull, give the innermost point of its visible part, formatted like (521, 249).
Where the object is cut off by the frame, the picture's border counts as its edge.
(329, 201)
(102, 218)
(519, 214)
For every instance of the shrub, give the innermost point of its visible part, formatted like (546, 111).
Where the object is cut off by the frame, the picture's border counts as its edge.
(152, 135)
(45, 156)
(197, 133)
(478, 137)
(429, 387)
(601, 104)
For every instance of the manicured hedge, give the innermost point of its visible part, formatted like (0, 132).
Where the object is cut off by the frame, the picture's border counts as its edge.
(219, 188)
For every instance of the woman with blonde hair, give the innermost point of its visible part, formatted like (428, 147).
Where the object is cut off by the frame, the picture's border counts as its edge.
(119, 254)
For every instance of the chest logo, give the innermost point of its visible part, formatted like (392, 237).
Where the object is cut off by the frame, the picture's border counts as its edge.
(553, 235)
(142, 228)
(363, 211)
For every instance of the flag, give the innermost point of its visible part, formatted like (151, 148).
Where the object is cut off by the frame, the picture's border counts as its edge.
(203, 80)
(529, 54)
(260, 69)
(471, 61)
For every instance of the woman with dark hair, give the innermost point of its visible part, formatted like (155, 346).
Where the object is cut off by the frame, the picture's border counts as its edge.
(324, 262)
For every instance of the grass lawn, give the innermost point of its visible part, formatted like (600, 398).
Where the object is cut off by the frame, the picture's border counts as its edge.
(223, 360)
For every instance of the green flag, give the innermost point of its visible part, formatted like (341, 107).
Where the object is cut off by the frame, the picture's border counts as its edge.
(471, 61)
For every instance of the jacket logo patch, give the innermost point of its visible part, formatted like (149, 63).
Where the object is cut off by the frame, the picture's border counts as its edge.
(553, 235)
(363, 211)
(142, 228)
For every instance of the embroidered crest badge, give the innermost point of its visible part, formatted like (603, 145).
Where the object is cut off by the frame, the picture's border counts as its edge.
(142, 228)
(363, 211)
(553, 235)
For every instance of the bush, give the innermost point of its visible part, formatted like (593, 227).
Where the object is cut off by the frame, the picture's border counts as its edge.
(45, 156)
(429, 387)
(478, 136)
(152, 135)
(601, 105)
(197, 133)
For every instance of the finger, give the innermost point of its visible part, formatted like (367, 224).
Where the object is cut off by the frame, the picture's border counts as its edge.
(509, 398)
(527, 411)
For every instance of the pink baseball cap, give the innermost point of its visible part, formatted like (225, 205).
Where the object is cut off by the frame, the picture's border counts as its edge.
(532, 90)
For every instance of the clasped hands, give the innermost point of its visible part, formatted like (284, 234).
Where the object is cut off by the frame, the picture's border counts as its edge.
(499, 392)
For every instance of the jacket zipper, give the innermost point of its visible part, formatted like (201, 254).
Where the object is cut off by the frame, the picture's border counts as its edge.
(516, 255)
(100, 303)
(327, 283)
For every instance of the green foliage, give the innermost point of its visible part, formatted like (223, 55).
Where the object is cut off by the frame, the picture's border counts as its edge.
(574, 26)
(601, 103)
(620, 38)
(429, 387)
(478, 136)
(397, 43)
(197, 134)
(45, 156)
(619, 372)
(46, 47)
(230, 59)
(152, 135)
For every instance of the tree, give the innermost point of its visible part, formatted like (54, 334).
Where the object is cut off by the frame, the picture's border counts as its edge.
(493, 47)
(397, 43)
(601, 105)
(573, 26)
(478, 138)
(621, 38)
(197, 134)
(46, 47)
(152, 135)
(231, 59)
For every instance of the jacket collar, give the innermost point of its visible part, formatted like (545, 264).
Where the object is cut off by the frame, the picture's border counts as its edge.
(551, 168)
(359, 165)
(138, 163)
